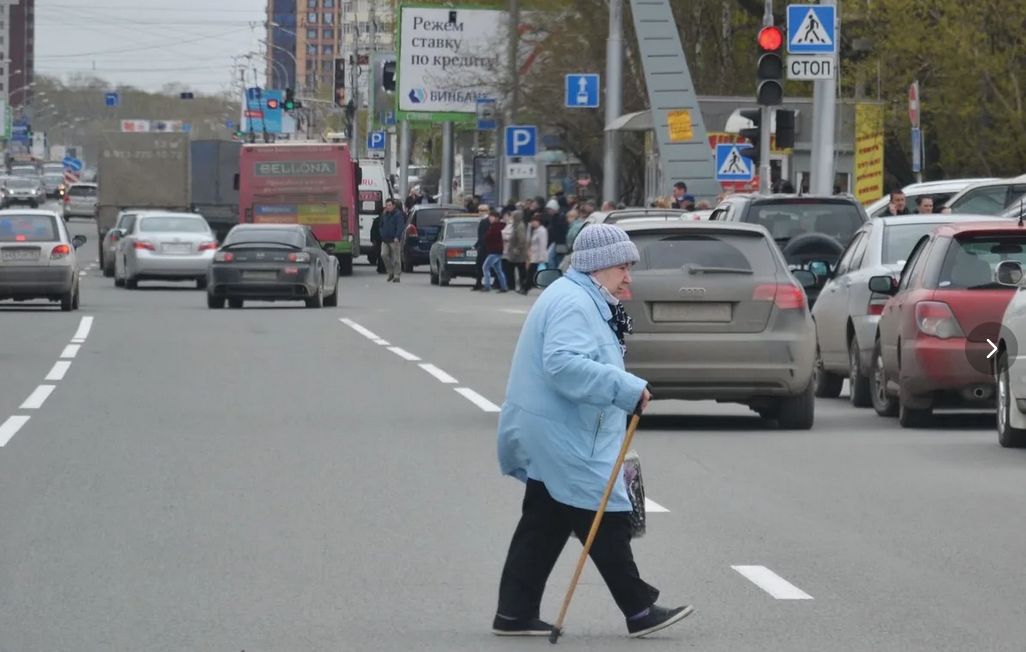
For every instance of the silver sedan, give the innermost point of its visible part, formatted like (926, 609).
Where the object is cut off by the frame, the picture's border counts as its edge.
(165, 247)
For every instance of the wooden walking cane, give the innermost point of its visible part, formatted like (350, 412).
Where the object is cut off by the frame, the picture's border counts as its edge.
(557, 629)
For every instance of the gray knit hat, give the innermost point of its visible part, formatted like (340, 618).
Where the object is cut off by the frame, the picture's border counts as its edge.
(601, 246)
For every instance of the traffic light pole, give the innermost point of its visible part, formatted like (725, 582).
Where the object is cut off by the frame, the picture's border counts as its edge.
(767, 126)
(824, 117)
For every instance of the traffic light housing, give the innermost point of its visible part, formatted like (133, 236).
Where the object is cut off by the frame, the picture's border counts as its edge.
(770, 87)
(388, 77)
(785, 129)
(340, 81)
(753, 135)
(290, 99)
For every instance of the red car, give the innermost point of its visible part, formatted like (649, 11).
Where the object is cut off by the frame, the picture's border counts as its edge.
(945, 303)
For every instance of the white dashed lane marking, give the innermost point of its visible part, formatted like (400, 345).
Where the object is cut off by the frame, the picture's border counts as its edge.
(38, 397)
(772, 583)
(438, 373)
(477, 399)
(404, 354)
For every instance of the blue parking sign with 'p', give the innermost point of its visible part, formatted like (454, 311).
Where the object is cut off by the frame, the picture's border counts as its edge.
(376, 140)
(522, 141)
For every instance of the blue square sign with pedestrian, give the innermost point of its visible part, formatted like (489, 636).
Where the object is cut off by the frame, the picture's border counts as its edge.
(811, 29)
(731, 165)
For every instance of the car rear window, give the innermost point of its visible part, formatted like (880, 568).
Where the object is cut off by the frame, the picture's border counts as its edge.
(461, 231)
(432, 216)
(971, 261)
(54, 178)
(289, 237)
(28, 228)
(82, 191)
(172, 225)
(790, 218)
(898, 241)
(735, 250)
(620, 217)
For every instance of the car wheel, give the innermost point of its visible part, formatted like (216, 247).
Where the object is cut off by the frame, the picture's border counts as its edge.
(131, 284)
(826, 384)
(884, 404)
(858, 383)
(443, 278)
(215, 303)
(235, 303)
(1008, 435)
(797, 412)
(68, 300)
(909, 417)
(76, 301)
(108, 269)
(434, 276)
(331, 301)
(317, 300)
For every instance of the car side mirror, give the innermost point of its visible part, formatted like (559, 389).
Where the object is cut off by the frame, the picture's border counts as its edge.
(78, 241)
(820, 268)
(883, 285)
(805, 277)
(116, 234)
(328, 246)
(1009, 273)
(547, 277)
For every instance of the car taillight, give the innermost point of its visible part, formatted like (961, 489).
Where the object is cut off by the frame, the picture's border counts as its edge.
(67, 199)
(453, 253)
(143, 244)
(411, 231)
(207, 246)
(60, 251)
(223, 257)
(300, 257)
(934, 318)
(785, 296)
(876, 304)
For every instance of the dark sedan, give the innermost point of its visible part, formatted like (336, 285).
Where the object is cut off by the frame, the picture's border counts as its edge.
(453, 253)
(273, 262)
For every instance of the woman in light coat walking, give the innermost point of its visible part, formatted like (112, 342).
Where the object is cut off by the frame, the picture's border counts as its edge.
(515, 254)
(538, 250)
(560, 432)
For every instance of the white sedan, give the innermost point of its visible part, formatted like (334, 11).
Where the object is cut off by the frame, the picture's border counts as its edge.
(37, 258)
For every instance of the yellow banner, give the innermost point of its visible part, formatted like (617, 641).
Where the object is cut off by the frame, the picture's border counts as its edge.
(318, 214)
(869, 152)
(681, 129)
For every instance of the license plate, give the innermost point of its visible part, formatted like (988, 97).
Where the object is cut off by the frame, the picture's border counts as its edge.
(20, 255)
(471, 252)
(260, 276)
(176, 248)
(691, 312)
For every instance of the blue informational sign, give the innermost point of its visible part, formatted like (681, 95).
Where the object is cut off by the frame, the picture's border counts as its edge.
(229, 123)
(388, 118)
(376, 140)
(73, 164)
(917, 150)
(263, 109)
(486, 120)
(582, 92)
(811, 29)
(522, 141)
(111, 99)
(19, 131)
(186, 127)
(731, 165)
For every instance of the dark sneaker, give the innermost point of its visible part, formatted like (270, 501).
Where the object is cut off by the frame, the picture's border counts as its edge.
(390, 278)
(657, 618)
(521, 627)
(395, 280)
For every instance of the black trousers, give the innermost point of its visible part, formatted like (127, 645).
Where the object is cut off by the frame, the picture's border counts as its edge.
(532, 269)
(479, 267)
(518, 269)
(544, 528)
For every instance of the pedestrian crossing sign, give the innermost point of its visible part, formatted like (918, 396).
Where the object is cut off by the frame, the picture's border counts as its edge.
(811, 29)
(731, 165)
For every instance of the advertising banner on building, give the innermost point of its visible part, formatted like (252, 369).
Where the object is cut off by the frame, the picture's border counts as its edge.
(869, 152)
(448, 58)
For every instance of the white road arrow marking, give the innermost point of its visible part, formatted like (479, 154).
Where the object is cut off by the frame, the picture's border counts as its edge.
(993, 349)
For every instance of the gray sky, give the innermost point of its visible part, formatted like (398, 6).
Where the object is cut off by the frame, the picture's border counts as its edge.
(149, 43)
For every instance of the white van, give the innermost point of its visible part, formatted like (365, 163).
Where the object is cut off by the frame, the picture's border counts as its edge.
(375, 189)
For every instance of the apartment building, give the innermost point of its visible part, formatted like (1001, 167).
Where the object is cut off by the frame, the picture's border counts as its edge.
(305, 36)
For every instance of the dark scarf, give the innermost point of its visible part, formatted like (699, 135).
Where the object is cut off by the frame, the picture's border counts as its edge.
(621, 323)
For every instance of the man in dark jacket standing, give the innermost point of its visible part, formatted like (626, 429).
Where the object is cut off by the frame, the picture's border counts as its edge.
(392, 222)
(482, 254)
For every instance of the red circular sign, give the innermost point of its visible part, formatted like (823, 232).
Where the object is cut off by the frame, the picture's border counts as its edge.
(913, 104)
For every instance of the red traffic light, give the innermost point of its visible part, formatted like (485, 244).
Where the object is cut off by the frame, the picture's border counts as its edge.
(771, 38)
(272, 103)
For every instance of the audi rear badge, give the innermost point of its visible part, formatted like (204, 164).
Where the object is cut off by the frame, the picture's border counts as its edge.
(692, 293)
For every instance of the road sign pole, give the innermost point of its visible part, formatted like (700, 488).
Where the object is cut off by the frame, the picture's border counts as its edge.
(614, 103)
(445, 182)
(824, 121)
(404, 160)
(764, 135)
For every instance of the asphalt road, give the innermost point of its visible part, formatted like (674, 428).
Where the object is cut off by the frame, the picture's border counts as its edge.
(278, 479)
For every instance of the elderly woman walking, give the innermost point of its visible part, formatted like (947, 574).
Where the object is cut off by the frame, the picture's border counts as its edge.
(560, 432)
